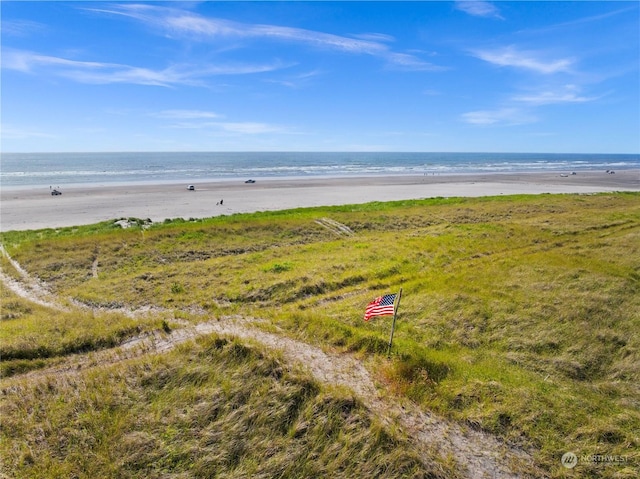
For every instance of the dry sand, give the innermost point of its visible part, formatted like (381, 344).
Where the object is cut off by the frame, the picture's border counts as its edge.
(35, 208)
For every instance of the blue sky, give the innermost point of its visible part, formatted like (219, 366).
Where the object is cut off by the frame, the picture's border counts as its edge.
(321, 76)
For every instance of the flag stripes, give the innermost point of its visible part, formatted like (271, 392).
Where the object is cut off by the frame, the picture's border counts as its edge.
(381, 306)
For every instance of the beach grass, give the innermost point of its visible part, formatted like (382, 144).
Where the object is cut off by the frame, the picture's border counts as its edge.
(210, 408)
(519, 315)
(35, 335)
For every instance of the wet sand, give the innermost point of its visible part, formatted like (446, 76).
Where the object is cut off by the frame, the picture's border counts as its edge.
(36, 208)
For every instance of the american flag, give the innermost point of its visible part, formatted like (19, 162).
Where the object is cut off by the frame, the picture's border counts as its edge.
(381, 306)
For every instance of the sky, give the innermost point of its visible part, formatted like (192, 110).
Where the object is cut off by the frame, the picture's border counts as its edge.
(435, 76)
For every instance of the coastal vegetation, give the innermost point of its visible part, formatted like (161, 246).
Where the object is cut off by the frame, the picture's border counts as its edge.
(519, 318)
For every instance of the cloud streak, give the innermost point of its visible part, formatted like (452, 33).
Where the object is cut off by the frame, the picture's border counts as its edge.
(232, 127)
(581, 21)
(567, 94)
(519, 108)
(499, 117)
(105, 73)
(250, 128)
(10, 132)
(526, 60)
(175, 22)
(22, 28)
(479, 8)
(186, 114)
(202, 120)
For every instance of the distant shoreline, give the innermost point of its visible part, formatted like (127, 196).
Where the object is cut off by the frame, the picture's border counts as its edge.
(147, 168)
(24, 208)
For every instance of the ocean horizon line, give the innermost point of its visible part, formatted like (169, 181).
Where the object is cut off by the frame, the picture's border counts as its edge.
(454, 152)
(37, 169)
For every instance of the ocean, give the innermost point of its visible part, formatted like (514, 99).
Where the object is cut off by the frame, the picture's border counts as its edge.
(64, 169)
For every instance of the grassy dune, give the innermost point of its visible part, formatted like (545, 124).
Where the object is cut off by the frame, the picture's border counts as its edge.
(520, 316)
(210, 409)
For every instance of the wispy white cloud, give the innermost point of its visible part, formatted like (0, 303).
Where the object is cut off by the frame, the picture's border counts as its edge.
(519, 109)
(10, 132)
(185, 114)
(251, 128)
(374, 37)
(566, 94)
(583, 21)
(524, 59)
(479, 8)
(104, 73)
(25, 61)
(21, 28)
(295, 81)
(201, 120)
(499, 117)
(404, 61)
(93, 72)
(176, 22)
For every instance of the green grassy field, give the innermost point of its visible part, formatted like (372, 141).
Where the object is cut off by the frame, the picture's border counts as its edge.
(519, 317)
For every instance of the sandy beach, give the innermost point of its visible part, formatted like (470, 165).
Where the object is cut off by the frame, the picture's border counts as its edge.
(36, 208)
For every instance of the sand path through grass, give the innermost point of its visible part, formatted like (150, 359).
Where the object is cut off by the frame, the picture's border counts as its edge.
(479, 454)
(27, 286)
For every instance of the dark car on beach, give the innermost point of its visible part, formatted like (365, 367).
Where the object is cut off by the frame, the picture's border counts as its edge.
(56, 192)
(250, 181)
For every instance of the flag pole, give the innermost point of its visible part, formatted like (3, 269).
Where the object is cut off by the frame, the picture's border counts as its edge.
(393, 324)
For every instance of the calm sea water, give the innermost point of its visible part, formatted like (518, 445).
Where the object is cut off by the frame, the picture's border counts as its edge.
(61, 169)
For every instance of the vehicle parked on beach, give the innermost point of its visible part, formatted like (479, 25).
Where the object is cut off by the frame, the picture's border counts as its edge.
(191, 188)
(250, 181)
(56, 192)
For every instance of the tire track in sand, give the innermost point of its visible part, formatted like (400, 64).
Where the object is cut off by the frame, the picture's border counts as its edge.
(481, 455)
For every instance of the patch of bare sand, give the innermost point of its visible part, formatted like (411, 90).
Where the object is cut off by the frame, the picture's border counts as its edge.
(33, 208)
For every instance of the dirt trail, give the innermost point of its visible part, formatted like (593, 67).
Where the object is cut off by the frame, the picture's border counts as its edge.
(29, 287)
(482, 455)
